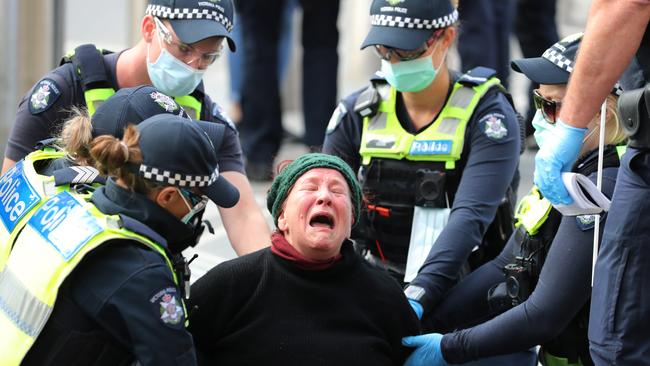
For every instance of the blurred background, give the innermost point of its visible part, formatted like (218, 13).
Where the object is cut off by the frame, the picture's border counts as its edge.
(35, 34)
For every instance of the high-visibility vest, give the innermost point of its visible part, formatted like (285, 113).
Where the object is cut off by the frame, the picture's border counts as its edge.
(22, 191)
(384, 137)
(61, 232)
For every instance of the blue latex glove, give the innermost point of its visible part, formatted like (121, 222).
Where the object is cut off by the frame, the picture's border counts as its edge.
(428, 350)
(417, 308)
(557, 155)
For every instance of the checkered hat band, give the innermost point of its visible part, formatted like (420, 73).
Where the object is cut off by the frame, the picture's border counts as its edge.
(567, 65)
(558, 60)
(166, 12)
(175, 179)
(414, 23)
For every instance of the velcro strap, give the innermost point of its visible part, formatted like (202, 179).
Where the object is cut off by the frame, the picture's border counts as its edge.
(89, 62)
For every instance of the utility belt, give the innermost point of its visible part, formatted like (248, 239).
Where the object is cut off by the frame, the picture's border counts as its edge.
(634, 108)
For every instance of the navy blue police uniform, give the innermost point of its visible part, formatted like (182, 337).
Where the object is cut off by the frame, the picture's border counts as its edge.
(488, 163)
(43, 110)
(108, 311)
(618, 326)
(554, 293)
(122, 302)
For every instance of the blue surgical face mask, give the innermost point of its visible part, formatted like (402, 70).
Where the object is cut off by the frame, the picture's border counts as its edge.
(172, 76)
(412, 75)
(543, 129)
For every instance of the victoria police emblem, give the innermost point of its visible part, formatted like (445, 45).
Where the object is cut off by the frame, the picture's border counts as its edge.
(168, 307)
(165, 101)
(45, 93)
(493, 126)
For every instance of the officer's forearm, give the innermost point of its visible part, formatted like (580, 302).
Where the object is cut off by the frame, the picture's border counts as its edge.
(246, 227)
(613, 34)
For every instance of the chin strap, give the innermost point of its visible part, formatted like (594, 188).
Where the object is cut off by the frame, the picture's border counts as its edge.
(599, 183)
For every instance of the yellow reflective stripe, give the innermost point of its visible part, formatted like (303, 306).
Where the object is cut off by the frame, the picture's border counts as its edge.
(95, 97)
(620, 150)
(25, 310)
(191, 105)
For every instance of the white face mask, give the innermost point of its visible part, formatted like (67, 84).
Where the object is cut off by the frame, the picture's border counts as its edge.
(172, 76)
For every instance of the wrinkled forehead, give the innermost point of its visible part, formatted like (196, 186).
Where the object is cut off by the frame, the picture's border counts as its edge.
(317, 175)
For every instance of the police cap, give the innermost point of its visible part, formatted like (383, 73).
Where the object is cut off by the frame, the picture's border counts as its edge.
(196, 20)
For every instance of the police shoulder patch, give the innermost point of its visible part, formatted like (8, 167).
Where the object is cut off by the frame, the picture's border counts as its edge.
(168, 308)
(44, 94)
(586, 222)
(493, 126)
(336, 118)
(218, 113)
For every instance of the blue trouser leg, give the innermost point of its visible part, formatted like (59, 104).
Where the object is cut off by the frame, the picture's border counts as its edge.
(619, 324)
(484, 36)
(236, 59)
(536, 31)
(320, 40)
(261, 125)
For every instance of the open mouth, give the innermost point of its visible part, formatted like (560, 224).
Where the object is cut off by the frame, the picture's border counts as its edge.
(322, 220)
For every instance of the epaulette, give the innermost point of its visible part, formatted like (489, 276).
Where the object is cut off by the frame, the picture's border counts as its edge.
(477, 76)
(88, 63)
(53, 144)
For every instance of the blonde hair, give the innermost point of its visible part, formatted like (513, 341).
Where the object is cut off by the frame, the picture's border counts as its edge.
(112, 157)
(614, 132)
(76, 136)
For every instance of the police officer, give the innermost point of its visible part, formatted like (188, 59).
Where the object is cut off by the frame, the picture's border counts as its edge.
(431, 146)
(176, 48)
(544, 296)
(65, 163)
(90, 282)
(616, 34)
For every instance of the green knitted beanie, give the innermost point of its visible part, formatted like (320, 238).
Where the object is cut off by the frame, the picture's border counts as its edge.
(289, 175)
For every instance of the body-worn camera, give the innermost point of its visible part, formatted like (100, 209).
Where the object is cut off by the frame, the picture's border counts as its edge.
(430, 188)
(518, 281)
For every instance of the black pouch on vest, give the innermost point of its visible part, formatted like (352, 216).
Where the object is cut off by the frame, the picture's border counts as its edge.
(633, 108)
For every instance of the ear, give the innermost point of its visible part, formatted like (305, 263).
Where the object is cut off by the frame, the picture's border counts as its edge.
(282, 222)
(147, 28)
(449, 36)
(166, 197)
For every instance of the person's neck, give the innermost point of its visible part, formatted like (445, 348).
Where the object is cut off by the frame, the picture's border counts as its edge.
(131, 67)
(424, 105)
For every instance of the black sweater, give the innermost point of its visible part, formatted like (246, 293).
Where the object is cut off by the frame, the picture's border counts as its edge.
(261, 309)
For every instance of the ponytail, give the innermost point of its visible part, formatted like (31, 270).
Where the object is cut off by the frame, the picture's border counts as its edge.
(112, 156)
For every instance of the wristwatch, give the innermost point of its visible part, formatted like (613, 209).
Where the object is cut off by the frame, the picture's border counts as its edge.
(415, 293)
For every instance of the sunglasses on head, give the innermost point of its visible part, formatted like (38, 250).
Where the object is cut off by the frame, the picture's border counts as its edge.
(550, 109)
(386, 53)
